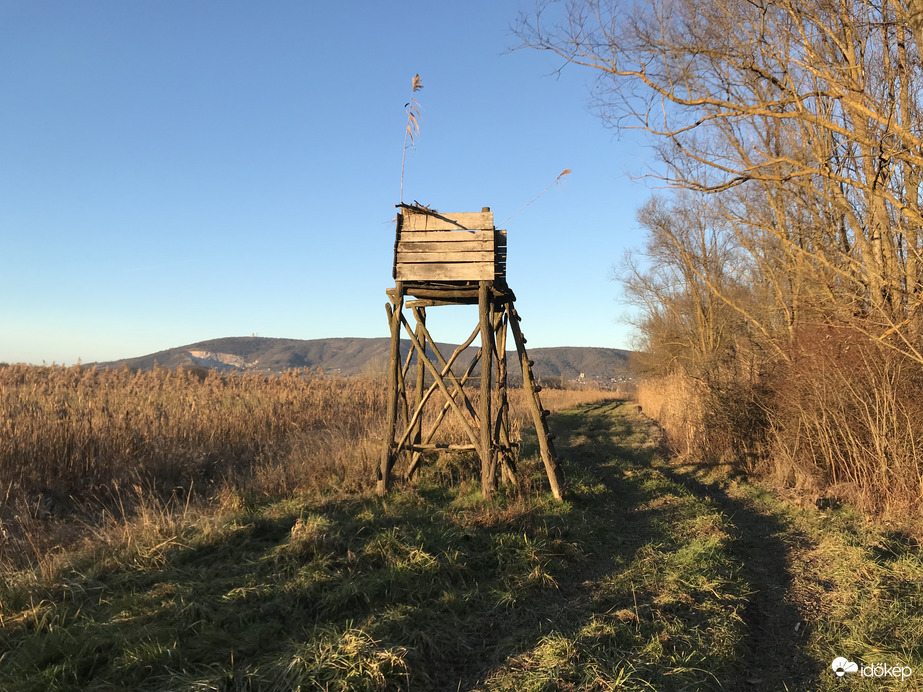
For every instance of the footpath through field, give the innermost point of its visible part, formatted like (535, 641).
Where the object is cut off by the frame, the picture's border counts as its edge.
(650, 576)
(695, 581)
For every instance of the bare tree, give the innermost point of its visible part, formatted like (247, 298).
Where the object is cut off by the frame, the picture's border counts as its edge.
(684, 281)
(806, 109)
(793, 130)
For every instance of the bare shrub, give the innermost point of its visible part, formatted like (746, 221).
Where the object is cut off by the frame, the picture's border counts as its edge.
(720, 422)
(848, 420)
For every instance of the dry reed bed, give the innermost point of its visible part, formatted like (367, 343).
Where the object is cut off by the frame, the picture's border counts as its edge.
(669, 400)
(76, 441)
(68, 431)
(843, 421)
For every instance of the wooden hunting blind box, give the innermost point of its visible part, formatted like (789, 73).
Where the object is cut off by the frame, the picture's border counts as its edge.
(443, 259)
(448, 247)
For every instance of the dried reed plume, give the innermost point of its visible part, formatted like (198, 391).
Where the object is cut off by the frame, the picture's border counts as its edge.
(561, 176)
(413, 125)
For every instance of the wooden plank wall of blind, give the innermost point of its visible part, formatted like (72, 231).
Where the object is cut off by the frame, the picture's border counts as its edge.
(449, 247)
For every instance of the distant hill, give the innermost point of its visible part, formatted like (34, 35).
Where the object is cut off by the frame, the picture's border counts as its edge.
(354, 356)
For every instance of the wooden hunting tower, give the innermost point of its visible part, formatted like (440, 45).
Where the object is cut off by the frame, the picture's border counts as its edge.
(456, 259)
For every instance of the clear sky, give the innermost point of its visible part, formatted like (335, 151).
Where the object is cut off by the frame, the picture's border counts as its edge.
(181, 170)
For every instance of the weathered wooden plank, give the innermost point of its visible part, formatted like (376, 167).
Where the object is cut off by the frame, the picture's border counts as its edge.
(397, 237)
(439, 447)
(429, 302)
(459, 271)
(445, 236)
(415, 221)
(410, 245)
(411, 257)
(427, 290)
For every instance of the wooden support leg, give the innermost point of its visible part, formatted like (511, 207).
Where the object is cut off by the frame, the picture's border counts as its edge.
(416, 435)
(502, 428)
(538, 414)
(395, 310)
(403, 405)
(488, 452)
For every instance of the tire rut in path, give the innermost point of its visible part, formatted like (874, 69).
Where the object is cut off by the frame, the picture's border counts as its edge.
(774, 657)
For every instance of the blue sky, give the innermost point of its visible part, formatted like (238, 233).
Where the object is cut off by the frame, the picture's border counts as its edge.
(181, 170)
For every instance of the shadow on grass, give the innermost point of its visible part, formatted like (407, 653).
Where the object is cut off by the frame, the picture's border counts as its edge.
(448, 584)
(427, 589)
(772, 654)
(601, 628)
(769, 648)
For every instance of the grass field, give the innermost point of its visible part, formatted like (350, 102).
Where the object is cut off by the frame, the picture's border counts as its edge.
(649, 576)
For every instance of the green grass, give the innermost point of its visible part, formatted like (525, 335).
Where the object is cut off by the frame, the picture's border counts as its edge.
(649, 576)
(859, 587)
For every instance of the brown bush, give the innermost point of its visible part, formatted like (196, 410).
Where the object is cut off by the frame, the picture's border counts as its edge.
(720, 422)
(674, 401)
(848, 420)
(842, 418)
